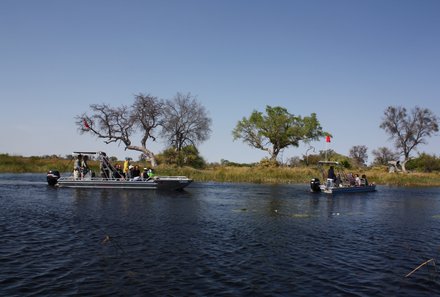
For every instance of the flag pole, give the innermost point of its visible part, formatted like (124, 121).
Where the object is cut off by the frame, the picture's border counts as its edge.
(327, 141)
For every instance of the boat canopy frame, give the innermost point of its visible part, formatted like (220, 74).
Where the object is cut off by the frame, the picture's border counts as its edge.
(339, 170)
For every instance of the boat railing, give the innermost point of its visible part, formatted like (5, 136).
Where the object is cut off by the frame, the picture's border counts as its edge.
(98, 178)
(112, 179)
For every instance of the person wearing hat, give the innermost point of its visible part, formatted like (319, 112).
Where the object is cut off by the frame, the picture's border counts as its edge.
(145, 173)
(130, 172)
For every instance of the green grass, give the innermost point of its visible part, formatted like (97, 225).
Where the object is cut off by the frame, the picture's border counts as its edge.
(286, 175)
(19, 164)
(280, 175)
(411, 179)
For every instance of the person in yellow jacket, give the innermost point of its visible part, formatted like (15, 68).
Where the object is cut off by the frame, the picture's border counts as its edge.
(126, 164)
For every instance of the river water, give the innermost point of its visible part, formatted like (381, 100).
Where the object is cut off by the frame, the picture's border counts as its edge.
(216, 239)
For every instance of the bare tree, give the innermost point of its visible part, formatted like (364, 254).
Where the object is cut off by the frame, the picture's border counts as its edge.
(187, 122)
(383, 155)
(148, 115)
(409, 130)
(121, 124)
(359, 154)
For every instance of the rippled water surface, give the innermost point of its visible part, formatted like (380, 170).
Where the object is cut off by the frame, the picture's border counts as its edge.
(216, 240)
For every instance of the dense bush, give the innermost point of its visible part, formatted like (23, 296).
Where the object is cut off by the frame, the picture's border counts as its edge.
(331, 156)
(188, 156)
(424, 163)
(268, 163)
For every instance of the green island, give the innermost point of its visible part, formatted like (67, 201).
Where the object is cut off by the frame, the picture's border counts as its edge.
(259, 173)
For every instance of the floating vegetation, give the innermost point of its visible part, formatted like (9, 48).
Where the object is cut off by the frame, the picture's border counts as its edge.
(353, 214)
(421, 265)
(300, 215)
(110, 240)
(294, 215)
(240, 210)
(105, 240)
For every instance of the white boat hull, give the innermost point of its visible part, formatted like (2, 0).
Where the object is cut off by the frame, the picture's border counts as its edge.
(157, 183)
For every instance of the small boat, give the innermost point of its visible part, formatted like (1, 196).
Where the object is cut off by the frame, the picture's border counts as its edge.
(109, 181)
(341, 182)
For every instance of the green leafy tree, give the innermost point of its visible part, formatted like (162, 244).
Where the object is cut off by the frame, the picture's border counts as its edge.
(276, 130)
(408, 130)
(424, 162)
(187, 156)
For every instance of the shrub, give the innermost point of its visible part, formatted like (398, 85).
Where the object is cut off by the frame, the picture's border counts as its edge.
(424, 163)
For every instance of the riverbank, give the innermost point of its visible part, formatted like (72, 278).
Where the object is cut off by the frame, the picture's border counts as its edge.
(256, 174)
(300, 175)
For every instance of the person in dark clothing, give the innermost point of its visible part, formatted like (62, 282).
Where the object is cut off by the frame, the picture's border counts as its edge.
(364, 180)
(136, 171)
(145, 173)
(118, 172)
(331, 173)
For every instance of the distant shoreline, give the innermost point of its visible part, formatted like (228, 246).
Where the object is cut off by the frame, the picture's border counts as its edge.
(255, 174)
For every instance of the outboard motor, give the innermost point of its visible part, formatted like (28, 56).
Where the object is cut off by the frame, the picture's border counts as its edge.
(52, 177)
(315, 185)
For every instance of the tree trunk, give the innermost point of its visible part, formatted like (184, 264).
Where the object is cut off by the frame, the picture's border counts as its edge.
(274, 153)
(403, 165)
(273, 157)
(150, 156)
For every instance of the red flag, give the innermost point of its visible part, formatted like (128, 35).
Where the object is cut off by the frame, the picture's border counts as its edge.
(327, 138)
(86, 125)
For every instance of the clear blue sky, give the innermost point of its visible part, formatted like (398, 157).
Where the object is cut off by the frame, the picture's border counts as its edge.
(344, 60)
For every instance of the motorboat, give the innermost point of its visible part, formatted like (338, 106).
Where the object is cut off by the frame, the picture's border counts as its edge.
(340, 182)
(155, 183)
(110, 179)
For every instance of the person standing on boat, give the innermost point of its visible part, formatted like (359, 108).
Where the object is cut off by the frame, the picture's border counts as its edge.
(331, 173)
(77, 167)
(130, 172)
(126, 165)
(84, 166)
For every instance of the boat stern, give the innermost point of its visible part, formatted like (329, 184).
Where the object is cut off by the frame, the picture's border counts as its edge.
(52, 177)
(315, 185)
